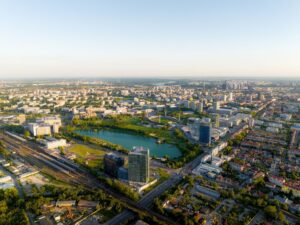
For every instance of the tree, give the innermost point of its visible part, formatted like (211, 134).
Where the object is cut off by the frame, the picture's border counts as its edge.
(281, 217)
(271, 211)
(26, 134)
(261, 202)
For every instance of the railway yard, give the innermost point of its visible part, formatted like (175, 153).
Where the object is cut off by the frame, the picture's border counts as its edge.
(72, 174)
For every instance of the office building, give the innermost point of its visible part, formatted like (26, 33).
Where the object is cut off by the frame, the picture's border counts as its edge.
(193, 124)
(112, 163)
(139, 165)
(122, 173)
(205, 133)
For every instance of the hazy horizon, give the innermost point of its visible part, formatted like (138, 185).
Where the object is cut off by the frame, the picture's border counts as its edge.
(159, 39)
(158, 78)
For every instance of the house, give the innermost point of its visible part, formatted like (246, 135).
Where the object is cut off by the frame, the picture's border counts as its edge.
(237, 167)
(87, 204)
(279, 181)
(283, 200)
(293, 186)
(69, 203)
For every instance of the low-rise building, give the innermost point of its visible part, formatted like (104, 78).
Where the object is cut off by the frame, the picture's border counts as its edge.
(52, 143)
(39, 129)
(208, 192)
(68, 203)
(279, 181)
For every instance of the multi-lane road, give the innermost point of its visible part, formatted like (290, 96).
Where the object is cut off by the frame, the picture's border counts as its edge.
(71, 173)
(148, 199)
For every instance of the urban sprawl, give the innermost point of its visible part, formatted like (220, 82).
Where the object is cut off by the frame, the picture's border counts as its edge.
(148, 151)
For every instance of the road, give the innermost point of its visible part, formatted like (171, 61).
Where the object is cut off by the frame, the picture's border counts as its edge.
(68, 172)
(148, 199)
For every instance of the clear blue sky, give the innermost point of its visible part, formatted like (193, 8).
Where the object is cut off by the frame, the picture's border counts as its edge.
(71, 38)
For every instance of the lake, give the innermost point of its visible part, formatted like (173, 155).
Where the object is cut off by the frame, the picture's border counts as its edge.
(129, 140)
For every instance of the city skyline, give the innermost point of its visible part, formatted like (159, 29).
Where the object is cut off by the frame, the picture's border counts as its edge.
(150, 151)
(166, 39)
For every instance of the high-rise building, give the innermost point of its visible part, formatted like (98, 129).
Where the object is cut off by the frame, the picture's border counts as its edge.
(139, 165)
(200, 107)
(230, 98)
(217, 120)
(112, 163)
(193, 124)
(261, 96)
(205, 133)
(250, 98)
(251, 122)
(123, 173)
(216, 106)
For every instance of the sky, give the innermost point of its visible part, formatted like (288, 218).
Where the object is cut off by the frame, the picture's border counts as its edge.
(149, 38)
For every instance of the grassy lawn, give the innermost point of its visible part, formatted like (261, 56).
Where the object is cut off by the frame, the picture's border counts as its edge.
(162, 121)
(87, 155)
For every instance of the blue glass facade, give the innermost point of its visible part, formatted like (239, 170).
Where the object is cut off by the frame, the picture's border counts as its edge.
(205, 133)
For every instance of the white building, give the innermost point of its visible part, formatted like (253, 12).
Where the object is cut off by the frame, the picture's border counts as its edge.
(39, 129)
(45, 126)
(52, 143)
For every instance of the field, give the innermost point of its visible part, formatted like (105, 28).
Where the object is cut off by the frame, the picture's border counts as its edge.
(87, 155)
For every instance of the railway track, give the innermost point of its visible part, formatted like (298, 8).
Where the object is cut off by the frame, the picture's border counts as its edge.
(75, 175)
